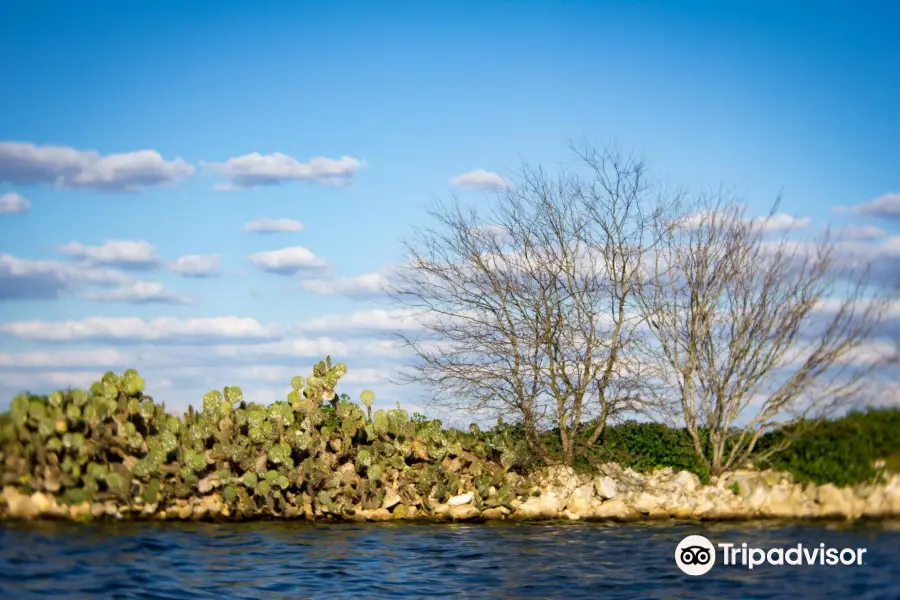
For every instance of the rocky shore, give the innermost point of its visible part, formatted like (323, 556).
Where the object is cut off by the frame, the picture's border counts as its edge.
(613, 494)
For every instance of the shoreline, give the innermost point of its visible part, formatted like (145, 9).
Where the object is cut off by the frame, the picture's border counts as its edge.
(556, 494)
(114, 454)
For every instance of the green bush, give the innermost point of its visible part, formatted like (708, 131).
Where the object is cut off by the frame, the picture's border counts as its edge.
(642, 447)
(646, 446)
(841, 451)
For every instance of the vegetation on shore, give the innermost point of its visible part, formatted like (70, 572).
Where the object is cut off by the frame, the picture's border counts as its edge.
(316, 449)
(857, 447)
(318, 453)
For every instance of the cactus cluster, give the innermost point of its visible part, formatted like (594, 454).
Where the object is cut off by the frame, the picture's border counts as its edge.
(324, 379)
(314, 454)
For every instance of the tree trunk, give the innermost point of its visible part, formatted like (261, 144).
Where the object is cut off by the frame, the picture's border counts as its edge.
(601, 425)
(566, 444)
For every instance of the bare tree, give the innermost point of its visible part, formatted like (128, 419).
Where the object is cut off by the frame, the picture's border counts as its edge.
(746, 325)
(526, 308)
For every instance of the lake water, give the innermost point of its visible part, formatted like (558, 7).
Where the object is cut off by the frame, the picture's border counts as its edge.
(498, 560)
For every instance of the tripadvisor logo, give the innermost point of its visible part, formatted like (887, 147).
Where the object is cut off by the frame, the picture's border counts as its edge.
(696, 555)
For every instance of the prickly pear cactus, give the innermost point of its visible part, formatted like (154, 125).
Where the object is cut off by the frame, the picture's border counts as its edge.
(316, 453)
(367, 397)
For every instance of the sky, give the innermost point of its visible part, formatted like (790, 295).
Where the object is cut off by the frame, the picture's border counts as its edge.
(212, 192)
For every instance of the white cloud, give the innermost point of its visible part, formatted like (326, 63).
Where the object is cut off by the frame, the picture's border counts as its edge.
(284, 374)
(829, 306)
(134, 329)
(26, 164)
(196, 265)
(253, 170)
(102, 358)
(888, 328)
(850, 258)
(125, 254)
(885, 392)
(862, 233)
(362, 321)
(873, 351)
(273, 226)
(268, 373)
(695, 220)
(781, 222)
(138, 292)
(308, 347)
(359, 286)
(492, 230)
(482, 180)
(311, 348)
(46, 381)
(13, 203)
(885, 207)
(777, 222)
(23, 278)
(861, 253)
(288, 261)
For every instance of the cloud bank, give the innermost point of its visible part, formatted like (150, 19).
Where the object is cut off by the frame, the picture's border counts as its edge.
(883, 207)
(256, 170)
(138, 292)
(134, 329)
(24, 163)
(23, 279)
(123, 254)
(288, 261)
(196, 265)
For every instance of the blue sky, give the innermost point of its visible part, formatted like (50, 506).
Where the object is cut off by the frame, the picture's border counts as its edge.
(398, 99)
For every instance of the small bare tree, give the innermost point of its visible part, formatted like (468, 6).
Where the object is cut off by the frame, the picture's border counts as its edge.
(527, 311)
(747, 325)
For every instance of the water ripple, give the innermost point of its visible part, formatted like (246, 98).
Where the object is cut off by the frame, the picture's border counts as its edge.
(498, 560)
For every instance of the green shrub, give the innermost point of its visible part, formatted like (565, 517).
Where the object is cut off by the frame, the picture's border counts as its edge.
(647, 446)
(842, 451)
